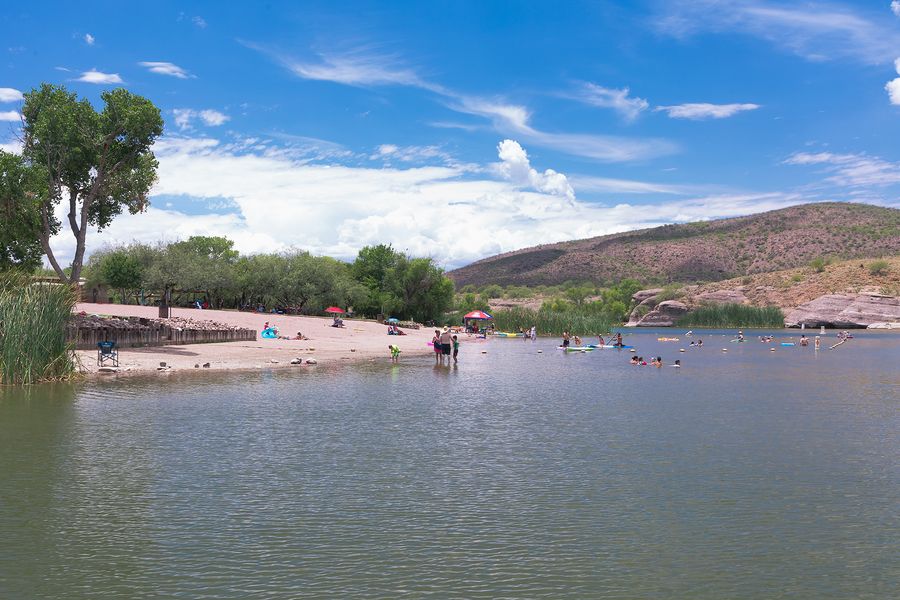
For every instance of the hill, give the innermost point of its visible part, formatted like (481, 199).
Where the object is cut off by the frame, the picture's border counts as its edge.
(702, 251)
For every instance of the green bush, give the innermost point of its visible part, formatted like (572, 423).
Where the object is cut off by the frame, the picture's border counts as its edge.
(879, 267)
(552, 322)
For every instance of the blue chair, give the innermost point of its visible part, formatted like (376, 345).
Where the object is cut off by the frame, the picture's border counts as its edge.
(107, 352)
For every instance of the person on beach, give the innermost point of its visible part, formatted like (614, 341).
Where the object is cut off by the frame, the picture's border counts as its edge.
(395, 352)
(446, 344)
(565, 342)
(436, 342)
(455, 348)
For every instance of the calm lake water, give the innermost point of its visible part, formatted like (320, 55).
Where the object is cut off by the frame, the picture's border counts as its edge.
(518, 474)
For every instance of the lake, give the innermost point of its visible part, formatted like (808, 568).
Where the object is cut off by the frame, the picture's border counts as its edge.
(523, 472)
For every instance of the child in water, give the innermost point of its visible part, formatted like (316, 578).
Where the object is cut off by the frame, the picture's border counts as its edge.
(455, 348)
(395, 352)
(677, 364)
(635, 360)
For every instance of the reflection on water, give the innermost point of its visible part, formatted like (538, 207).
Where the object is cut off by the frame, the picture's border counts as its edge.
(517, 473)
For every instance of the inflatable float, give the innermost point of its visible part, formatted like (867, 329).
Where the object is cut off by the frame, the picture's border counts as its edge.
(269, 333)
(666, 339)
(508, 334)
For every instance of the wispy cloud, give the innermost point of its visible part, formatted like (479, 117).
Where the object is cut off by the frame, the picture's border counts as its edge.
(166, 68)
(616, 99)
(185, 117)
(609, 185)
(199, 22)
(10, 115)
(89, 39)
(410, 154)
(95, 76)
(700, 111)
(362, 68)
(10, 95)
(851, 170)
(815, 30)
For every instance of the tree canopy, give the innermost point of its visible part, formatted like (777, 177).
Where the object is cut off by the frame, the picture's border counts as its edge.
(21, 189)
(98, 163)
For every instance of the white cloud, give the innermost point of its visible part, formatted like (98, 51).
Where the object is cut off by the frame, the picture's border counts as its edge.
(609, 185)
(816, 31)
(279, 202)
(390, 152)
(893, 90)
(9, 115)
(89, 39)
(616, 99)
(895, 7)
(13, 147)
(10, 95)
(184, 117)
(166, 68)
(360, 67)
(515, 167)
(851, 170)
(701, 110)
(199, 22)
(95, 76)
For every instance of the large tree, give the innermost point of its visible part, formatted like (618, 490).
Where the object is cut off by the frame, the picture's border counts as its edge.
(97, 163)
(21, 190)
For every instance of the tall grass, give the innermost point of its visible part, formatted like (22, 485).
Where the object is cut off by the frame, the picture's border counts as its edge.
(552, 322)
(733, 315)
(33, 319)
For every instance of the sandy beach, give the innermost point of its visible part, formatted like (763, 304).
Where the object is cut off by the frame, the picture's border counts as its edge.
(359, 340)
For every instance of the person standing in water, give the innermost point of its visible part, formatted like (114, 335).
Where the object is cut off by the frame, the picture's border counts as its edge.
(455, 348)
(446, 344)
(533, 333)
(565, 339)
(436, 342)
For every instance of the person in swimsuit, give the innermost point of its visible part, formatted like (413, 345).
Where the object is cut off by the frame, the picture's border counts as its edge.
(602, 343)
(565, 339)
(577, 340)
(395, 352)
(446, 344)
(619, 340)
(455, 348)
(436, 342)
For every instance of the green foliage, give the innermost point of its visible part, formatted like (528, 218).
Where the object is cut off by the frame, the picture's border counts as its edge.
(100, 163)
(733, 315)
(122, 271)
(818, 264)
(21, 189)
(33, 318)
(670, 292)
(552, 322)
(879, 267)
(492, 291)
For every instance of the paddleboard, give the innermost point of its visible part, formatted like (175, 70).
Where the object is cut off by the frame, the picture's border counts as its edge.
(787, 343)
(576, 348)
(609, 347)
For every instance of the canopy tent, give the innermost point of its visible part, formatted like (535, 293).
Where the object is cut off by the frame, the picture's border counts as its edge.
(334, 310)
(477, 314)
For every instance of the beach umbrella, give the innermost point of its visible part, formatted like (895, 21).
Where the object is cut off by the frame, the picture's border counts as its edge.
(334, 310)
(393, 320)
(478, 314)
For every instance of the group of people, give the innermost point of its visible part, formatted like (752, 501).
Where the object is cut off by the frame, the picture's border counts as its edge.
(445, 344)
(394, 330)
(654, 362)
(613, 340)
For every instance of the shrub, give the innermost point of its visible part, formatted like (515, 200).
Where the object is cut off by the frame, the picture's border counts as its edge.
(733, 315)
(879, 267)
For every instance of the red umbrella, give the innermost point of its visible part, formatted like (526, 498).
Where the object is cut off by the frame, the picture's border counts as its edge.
(478, 314)
(335, 310)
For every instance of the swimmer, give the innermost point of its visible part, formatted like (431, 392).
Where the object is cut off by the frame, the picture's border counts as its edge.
(677, 364)
(577, 340)
(634, 360)
(700, 343)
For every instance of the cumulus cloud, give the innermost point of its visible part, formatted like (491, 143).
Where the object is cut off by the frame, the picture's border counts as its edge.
(893, 86)
(10, 95)
(616, 99)
(851, 170)
(89, 39)
(701, 110)
(95, 76)
(895, 7)
(277, 201)
(185, 117)
(516, 167)
(9, 115)
(166, 68)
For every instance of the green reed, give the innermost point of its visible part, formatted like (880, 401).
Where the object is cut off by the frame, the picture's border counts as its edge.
(33, 318)
(733, 315)
(552, 322)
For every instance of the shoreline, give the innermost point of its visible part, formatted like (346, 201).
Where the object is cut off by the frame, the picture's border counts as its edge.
(358, 341)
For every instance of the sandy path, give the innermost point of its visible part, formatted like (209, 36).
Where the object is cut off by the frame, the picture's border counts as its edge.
(358, 340)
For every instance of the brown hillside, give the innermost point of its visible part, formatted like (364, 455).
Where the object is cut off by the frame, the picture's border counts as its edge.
(702, 251)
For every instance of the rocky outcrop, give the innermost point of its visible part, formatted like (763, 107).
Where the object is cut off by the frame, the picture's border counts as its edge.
(722, 297)
(845, 311)
(644, 295)
(664, 315)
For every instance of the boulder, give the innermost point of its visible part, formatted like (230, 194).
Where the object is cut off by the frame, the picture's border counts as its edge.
(845, 311)
(665, 314)
(886, 325)
(722, 297)
(642, 295)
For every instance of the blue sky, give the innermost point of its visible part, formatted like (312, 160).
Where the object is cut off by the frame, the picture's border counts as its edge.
(463, 129)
